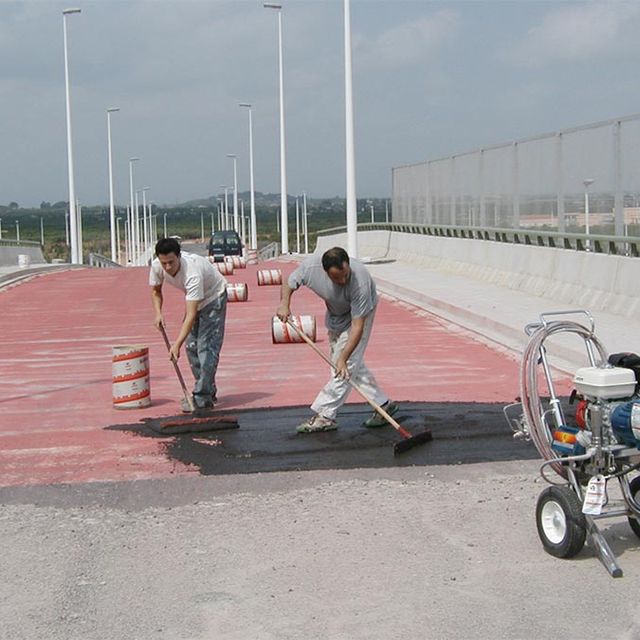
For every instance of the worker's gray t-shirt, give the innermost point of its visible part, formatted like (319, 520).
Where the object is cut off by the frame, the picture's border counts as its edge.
(356, 299)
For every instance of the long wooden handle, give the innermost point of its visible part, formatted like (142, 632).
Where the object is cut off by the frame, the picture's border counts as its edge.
(375, 405)
(187, 395)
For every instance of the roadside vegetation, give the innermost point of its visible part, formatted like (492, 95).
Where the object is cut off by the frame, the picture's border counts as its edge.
(181, 220)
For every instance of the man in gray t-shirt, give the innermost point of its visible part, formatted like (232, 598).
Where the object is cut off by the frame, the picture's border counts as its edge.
(349, 293)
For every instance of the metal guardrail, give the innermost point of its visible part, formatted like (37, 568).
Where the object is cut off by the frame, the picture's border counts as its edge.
(612, 245)
(101, 262)
(19, 243)
(269, 252)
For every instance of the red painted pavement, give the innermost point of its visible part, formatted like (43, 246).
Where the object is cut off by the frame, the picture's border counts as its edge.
(58, 331)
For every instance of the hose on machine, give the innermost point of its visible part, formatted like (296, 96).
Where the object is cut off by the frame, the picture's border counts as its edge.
(533, 409)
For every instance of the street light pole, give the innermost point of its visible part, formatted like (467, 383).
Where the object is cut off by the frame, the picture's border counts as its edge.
(225, 213)
(146, 223)
(284, 217)
(118, 256)
(73, 220)
(127, 236)
(131, 215)
(153, 232)
(137, 225)
(254, 233)
(243, 235)
(352, 211)
(18, 231)
(112, 211)
(235, 191)
(304, 214)
(587, 182)
(297, 225)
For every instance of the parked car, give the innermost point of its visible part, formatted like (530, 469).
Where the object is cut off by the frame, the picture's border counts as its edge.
(224, 243)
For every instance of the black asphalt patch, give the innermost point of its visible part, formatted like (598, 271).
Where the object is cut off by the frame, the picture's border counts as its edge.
(267, 441)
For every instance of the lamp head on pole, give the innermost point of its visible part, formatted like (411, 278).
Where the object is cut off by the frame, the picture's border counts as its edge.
(133, 159)
(272, 5)
(245, 104)
(587, 182)
(113, 109)
(66, 12)
(231, 155)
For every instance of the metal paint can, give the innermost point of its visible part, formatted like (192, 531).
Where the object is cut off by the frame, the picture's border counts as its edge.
(225, 268)
(130, 370)
(281, 332)
(237, 292)
(269, 276)
(238, 262)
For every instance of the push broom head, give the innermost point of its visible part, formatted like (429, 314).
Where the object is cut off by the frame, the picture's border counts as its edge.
(192, 424)
(413, 441)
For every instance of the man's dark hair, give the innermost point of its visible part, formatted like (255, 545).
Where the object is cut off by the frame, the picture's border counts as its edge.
(334, 257)
(165, 246)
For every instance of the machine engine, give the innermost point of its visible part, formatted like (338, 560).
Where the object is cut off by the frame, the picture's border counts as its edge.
(614, 391)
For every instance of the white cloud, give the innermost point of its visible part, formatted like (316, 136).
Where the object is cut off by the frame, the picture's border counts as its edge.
(406, 44)
(579, 32)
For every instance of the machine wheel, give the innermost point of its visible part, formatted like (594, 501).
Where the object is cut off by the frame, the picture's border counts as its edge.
(634, 486)
(560, 521)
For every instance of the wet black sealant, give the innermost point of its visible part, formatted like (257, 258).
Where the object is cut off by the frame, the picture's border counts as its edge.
(266, 440)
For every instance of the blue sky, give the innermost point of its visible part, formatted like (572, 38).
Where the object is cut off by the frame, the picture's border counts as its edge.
(430, 79)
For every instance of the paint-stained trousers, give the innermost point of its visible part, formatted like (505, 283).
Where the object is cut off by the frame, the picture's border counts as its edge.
(335, 392)
(203, 346)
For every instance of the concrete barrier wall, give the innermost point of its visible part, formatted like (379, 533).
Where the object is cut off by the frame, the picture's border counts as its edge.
(589, 280)
(9, 255)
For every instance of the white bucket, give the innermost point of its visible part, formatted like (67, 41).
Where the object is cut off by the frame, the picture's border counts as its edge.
(130, 369)
(269, 276)
(24, 260)
(238, 262)
(281, 332)
(237, 292)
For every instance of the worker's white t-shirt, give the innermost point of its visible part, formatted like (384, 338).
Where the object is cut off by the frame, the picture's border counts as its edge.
(197, 277)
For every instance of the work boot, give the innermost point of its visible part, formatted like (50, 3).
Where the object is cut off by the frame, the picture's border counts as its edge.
(316, 424)
(376, 420)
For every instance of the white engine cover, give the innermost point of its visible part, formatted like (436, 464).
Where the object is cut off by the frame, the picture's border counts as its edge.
(607, 383)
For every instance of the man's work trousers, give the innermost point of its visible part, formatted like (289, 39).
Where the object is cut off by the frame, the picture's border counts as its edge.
(203, 347)
(335, 392)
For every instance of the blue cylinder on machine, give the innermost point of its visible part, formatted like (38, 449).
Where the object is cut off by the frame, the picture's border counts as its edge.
(625, 423)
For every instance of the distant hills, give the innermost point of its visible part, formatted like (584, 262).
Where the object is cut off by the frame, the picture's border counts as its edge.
(272, 200)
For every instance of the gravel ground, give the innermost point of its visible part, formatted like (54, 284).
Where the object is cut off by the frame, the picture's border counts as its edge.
(423, 552)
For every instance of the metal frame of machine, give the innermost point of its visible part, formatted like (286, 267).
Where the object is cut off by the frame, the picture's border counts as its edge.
(585, 456)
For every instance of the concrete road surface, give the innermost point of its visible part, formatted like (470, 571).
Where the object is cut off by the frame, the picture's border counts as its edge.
(407, 553)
